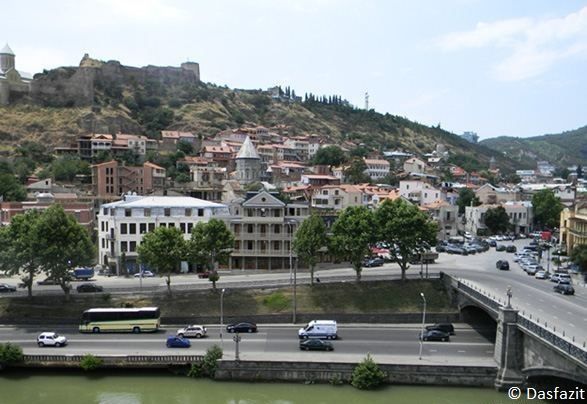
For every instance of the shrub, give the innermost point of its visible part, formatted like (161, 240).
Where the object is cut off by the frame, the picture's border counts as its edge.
(276, 301)
(90, 362)
(208, 366)
(10, 354)
(367, 375)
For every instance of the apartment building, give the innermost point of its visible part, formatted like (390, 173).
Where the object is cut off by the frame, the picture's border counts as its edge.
(414, 165)
(122, 224)
(419, 192)
(376, 168)
(573, 226)
(264, 228)
(520, 214)
(111, 179)
(207, 182)
(336, 197)
(445, 215)
(489, 194)
(170, 139)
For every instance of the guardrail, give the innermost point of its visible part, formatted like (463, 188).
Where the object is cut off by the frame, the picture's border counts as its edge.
(489, 302)
(136, 359)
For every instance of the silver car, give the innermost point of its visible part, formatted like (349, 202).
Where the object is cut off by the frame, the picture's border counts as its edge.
(195, 331)
(51, 339)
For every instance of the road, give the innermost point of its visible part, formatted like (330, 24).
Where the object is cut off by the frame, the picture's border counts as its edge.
(566, 314)
(384, 342)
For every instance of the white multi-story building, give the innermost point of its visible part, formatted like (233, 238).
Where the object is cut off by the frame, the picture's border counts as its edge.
(376, 168)
(122, 224)
(419, 192)
(520, 214)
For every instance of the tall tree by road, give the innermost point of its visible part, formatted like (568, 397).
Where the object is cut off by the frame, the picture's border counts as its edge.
(497, 220)
(211, 244)
(579, 257)
(547, 209)
(467, 198)
(19, 251)
(309, 239)
(405, 229)
(61, 244)
(352, 235)
(162, 250)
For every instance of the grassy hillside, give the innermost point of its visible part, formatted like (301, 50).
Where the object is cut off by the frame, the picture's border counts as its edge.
(206, 109)
(563, 149)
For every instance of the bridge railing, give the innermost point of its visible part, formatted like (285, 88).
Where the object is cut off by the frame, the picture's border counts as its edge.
(570, 347)
(139, 359)
(483, 298)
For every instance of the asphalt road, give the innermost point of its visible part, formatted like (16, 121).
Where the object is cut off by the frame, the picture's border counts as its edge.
(355, 341)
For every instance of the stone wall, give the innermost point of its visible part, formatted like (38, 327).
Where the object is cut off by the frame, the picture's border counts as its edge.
(326, 372)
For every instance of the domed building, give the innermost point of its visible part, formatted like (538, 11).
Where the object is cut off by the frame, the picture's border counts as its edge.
(248, 163)
(13, 83)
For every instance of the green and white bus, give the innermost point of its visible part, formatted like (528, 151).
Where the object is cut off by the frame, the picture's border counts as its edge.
(144, 319)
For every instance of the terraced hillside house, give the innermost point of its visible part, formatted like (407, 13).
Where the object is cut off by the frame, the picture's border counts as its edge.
(122, 224)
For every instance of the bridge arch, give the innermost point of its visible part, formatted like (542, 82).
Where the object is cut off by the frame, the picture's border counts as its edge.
(480, 320)
(547, 375)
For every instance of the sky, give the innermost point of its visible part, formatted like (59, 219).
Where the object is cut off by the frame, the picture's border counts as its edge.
(495, 67)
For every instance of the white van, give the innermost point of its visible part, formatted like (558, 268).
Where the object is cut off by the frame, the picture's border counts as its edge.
(319, 329)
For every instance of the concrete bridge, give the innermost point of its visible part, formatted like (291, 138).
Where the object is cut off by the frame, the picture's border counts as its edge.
(525, 349)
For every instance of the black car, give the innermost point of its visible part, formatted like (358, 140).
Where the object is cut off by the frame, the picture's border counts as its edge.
(500, 247)
(47, 281)
(435, 335)
(564, 289)
(444, 327)
(5, 288)
(511, 248)
(89, 288)
(316, 345)
(502, 265)
(492, 243)
(373, 262)
(242, 327)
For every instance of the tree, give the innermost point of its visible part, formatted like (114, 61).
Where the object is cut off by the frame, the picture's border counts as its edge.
(355, 173)
(186, 147)
(309, 239)
(211, 243)
(579, 257)
(331, 156)
(163, 249)
(406, 229)
(61, 244)
(547, 209)
(19, 250)
(10, 189)
(466, 198)
(67, 167)
(352, 234)
(497, 220)
(367, 375)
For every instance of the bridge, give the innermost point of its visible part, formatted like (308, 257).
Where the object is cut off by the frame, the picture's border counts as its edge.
(525, 347)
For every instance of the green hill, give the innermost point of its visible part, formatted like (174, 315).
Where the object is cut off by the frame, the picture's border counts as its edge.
(563, 149)
(159, 102)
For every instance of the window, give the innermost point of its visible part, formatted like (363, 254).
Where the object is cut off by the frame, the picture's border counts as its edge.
(143, 228)
(127, 212)
(170, 224)
(102, 226)
(336, 192)
(103, 243)
(276, 228)
(132, 228)
(123, 228)
(200, 212)
(250, 228)
(182, 227)
(167, 212)
(123, 246)
(147, 212)
(133, 246)
(277, 212)
(151, 227)
(276, 245)
(249, 244)
(188, 212)
(190, 227)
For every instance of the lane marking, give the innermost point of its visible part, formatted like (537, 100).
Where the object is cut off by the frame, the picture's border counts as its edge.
(433, 350)
(572, 325)
(461, 351)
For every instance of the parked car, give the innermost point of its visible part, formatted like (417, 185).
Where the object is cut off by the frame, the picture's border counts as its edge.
(434, 335)
(242, 327)
(541, 275)
(6, 288)
(470, 249)
(453, 249)
(373, 262)
(502, 265)
(561, 277)
(144, 274)
(197, 331)
(511, 248)
(89, 288)
(51, 339)
(445, 327)
(532, 269)
(316, 345)
(500, 247)
(492, 242)
(47, 281)
(564, 289)
(178, 342)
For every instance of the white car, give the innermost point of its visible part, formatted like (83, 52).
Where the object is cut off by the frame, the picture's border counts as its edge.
(541, 275)
(145, 274)
(197, 331)
(51, 339)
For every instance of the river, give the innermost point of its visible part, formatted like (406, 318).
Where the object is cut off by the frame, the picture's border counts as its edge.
(73, 387)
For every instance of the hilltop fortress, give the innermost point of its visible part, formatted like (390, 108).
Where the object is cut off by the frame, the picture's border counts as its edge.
(75, 86)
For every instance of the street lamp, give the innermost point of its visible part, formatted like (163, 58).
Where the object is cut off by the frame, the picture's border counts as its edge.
(221, 316)
(423, 321)
(509, 295)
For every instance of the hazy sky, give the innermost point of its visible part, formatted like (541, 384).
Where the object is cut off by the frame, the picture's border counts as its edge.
(496, 67)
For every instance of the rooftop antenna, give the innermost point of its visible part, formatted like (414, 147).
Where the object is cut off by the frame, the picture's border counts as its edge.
(366, 101)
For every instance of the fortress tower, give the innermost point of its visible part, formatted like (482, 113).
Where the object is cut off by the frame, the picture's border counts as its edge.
(6, 59)
(13, 84)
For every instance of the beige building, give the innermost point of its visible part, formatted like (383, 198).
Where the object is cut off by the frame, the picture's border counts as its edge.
(573, 226)
(419, 192)
(446, 216)
(414, 165)
(376, 168)
(110, 179)
(264, 227)
(336, 197)
(488, 194)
